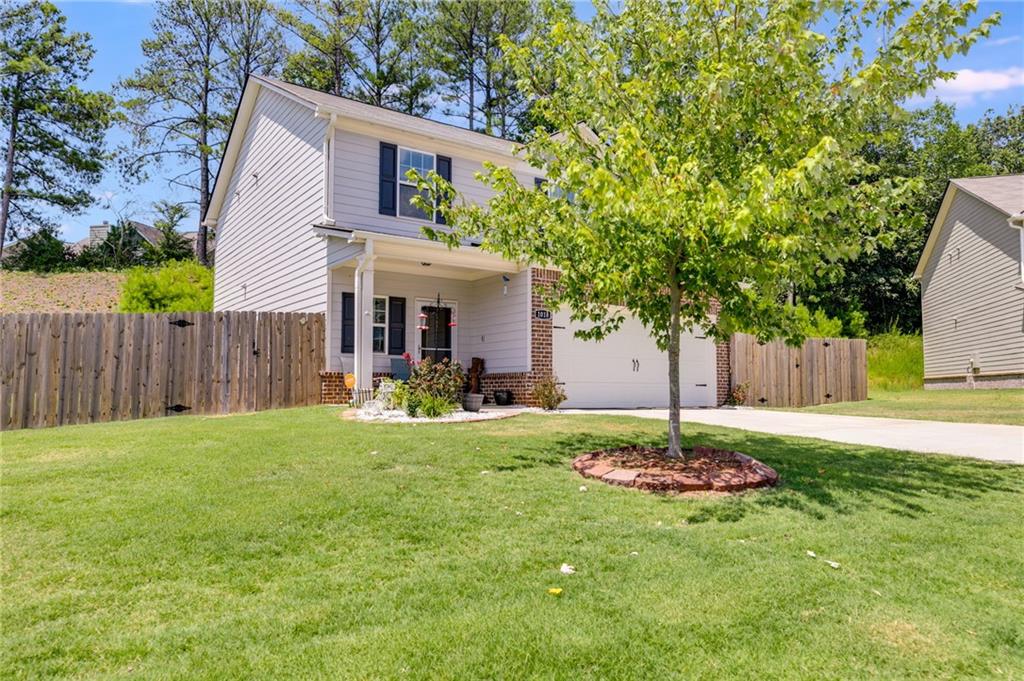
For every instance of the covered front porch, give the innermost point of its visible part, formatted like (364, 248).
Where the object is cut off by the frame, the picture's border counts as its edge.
(391, 296)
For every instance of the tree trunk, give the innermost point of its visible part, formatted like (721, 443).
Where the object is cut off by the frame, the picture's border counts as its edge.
(204, 174)
(675, 450)
(5, 205)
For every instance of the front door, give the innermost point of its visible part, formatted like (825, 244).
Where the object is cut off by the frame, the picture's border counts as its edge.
(437, 331)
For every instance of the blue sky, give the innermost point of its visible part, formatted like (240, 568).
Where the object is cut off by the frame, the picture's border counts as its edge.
(990, 76)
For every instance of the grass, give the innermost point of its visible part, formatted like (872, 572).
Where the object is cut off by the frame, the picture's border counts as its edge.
(292, 544)
(961, 406)
(895, 390)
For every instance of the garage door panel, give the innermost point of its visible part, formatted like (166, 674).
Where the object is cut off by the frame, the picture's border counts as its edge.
(627, 369)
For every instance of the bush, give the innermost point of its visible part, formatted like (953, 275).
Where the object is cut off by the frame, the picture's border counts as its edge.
(548, 394)
(442, 379)
(738, 394)
(41, 251)
(122, 248)
(175, 287)
(434, 407)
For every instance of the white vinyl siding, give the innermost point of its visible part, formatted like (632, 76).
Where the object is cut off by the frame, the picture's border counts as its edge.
(491, 323)
(971, 305)
(357, 180)
(268, 258)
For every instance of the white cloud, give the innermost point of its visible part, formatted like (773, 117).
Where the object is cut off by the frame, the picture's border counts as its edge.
(999, 42)
(968, 84)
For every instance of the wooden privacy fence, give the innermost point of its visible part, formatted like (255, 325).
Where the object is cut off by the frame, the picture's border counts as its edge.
(822, 371)
(60, 369)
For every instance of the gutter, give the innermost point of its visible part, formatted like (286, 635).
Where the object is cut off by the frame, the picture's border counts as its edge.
(1017, 222)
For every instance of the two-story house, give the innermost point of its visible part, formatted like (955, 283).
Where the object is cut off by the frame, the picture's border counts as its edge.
(312, 213)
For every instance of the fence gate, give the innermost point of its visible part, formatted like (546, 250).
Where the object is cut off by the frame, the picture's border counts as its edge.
(822, 371)
(67, 368)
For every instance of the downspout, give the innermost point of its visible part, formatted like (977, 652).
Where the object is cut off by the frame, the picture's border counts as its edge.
(1017, 222)
(329, 156)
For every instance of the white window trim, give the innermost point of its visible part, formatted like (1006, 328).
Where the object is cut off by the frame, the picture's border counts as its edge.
(454, 305)
(386, 325)
(402, 180)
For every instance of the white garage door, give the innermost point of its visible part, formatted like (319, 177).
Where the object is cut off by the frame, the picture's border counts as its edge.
(627, 370)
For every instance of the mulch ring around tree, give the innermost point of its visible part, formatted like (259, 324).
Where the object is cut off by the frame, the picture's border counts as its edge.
(704, 469)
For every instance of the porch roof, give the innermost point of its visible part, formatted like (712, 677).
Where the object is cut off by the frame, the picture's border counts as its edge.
(420, 256)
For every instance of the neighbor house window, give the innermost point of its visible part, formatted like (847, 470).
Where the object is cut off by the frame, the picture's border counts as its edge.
(380, 324)
(422, 163)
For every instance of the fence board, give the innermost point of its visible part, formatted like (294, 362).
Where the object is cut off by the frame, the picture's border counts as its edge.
(58, 369)
(823, 370)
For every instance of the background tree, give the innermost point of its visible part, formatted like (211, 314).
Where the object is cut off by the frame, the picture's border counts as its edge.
(326, 29)
(174, 100)
(454, 30)
(252, 44)
(379, 44)
(707, 156)
(54, 150)
(172, 245)
(930, 146)
(40, 251)
(416, 82)
(120, 249)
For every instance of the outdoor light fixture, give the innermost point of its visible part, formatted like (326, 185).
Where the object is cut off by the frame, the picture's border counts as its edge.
(504, 284)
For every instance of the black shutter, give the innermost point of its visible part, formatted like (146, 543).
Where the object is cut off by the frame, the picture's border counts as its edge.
(444, 169)
(348, 322)
(396, 326)
(538, 182)
(388, 178)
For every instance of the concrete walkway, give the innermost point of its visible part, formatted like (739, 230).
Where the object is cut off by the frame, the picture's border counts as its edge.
(1004, 444)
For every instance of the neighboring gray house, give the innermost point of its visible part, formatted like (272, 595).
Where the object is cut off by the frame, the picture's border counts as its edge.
(312, 213)
(972, 286)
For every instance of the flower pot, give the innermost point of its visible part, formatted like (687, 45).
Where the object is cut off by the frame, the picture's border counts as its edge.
(472, 401)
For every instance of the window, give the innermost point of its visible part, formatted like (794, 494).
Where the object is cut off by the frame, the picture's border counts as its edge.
(380, 324)
(422, 163)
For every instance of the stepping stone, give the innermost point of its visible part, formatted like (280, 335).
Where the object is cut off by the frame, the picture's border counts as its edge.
(620, 476)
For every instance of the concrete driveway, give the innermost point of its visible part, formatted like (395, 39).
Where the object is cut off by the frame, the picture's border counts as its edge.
(1004, 444)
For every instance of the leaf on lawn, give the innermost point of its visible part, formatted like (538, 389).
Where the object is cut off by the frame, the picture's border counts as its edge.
(567, 569)
(812, 554)
(832, 564)
(583, 488)
(555, 591)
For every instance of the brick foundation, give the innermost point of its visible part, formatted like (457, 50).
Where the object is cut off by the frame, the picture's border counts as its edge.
(333, 390)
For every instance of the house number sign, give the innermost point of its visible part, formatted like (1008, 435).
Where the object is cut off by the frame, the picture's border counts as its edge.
(542, 314)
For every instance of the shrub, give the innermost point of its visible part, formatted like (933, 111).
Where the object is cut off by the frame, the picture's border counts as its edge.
(738, 394)
(412, 404)
(41, 251)
(120, 249)
(434, 407)
(175, 287)
(442, 379)
(548, 394)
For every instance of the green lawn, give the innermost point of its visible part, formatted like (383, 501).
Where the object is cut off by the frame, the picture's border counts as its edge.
(295, 544)
(964, 406)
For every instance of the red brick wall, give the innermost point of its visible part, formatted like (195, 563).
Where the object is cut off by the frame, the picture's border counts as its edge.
(723, 372)
(333, 390)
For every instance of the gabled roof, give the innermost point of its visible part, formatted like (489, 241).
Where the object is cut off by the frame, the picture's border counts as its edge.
(326, 106)
(1005, 193)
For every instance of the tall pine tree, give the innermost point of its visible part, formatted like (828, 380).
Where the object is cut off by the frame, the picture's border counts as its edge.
(54, 151)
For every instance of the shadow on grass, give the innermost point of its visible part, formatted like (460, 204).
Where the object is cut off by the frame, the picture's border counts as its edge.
(817, 478)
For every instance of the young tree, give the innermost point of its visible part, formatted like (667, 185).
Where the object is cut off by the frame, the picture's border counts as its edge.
(327, 29)
(172, 244)
(252, 44)
(174, 108)
(707, 157)
(55, 129)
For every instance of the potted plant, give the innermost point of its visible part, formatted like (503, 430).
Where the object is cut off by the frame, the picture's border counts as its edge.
(474, 399)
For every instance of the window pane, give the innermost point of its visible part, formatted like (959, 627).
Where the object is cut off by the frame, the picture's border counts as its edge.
(380, 310)
(406, 209)
(414, 160)
(378, 339)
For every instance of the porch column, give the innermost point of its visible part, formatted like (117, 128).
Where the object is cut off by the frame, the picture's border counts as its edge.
(364, 320)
